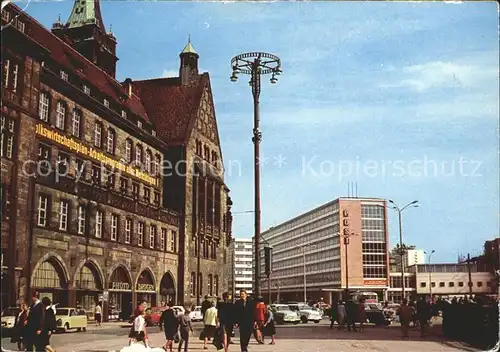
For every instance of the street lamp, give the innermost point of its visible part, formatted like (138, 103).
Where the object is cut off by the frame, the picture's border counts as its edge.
(347, 234)
(413, 204)
(256, 64)
(305, 272)
(430, 272)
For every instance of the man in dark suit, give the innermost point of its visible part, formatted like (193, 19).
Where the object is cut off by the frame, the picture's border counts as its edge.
(225, 311)
(244, 318)
(35, 324)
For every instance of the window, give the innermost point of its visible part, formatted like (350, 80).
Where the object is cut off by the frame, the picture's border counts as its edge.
(43, 202)
(157, 198)
(20, 25)
(98, 224)
(77, 117)
(6, 68)
(152, 236)
(63, 163)
(111, 179)
(128, 230)
(488, 284)
(441, 284)
(114, 227)
(44, 158)
(162, 239)
(7, 138)
(433, 284)
(81, 219)
(63, 215)
(156, 165)
(479, 284)
(148, 161)
(173, 242)
(63, 75)
(96, 174)
(5, 15)
(138, 154)
(139, 123)
(192, 283)
(210, 284)
(98, 134)
(135, 189)
(140, 233)
(110, 147)
(461, 284)
(43, 107)
(124, 114)
(451, 284)
(147, 194)
(60, 115)
(86, 89)
(123, 184)
(106, 103)
(10, 74)
(153, 132)
(128, 150)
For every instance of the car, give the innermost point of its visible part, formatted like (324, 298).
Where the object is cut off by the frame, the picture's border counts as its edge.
(195, 314)
(306, 313)
(8, 319)
(377, 315)
(153, 315)
(283, 314)
(179, 309)
(71, 318)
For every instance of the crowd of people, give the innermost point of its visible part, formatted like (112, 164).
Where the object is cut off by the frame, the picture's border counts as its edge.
(251, 317)
(34, 325)
(348, 313)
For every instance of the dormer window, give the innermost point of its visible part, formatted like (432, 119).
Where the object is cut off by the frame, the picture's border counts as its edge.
(64, 75)
(20, 25)
(124, 114)
(106, 103)
(6, 15)
(86, 89)
(139, 123)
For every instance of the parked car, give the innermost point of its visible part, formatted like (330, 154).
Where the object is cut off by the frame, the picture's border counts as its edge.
(195, 314)
(306, 313)
(376, 315)
(283, 314)
(153, 315)
(178, 309)
(114, 315)
(71, 318)
(8, 320)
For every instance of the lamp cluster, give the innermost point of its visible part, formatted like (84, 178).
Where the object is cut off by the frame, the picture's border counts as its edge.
(275, 72)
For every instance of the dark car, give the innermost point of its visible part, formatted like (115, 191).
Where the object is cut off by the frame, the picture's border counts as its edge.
(376, 315)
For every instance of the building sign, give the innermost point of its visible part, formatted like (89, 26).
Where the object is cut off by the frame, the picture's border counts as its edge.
(375, 282)
(145, 287)
(120, 286)
(95, 154)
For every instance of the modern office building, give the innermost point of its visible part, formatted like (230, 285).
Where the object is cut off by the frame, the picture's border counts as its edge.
(309, 252)
(240, 266)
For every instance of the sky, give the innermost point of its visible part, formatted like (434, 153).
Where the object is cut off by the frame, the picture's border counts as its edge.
(401, 98)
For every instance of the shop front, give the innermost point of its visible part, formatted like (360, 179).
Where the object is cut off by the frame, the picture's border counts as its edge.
(49, 281)
(146, 289)
(88, 286)
(120, 293)
(167, 288)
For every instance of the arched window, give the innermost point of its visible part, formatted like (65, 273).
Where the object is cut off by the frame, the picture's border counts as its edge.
(61, 115)
(192, 283)
(148, 161)
(210, 284)
(216, 285)
(200, 284)
(128, 150)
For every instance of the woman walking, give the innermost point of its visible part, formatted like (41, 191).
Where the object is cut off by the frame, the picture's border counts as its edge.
(50, 325)
(269, 327)
(98, 314)
(361, 315)
(19, 329)
(170, 324)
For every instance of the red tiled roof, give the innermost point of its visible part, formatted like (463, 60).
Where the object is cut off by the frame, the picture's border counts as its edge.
(170, 106)
(77, 64)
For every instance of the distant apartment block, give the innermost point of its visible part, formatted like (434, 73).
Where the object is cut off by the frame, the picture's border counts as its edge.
(241, 262)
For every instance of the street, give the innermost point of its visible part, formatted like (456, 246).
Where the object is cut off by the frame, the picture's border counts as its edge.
(290, 338)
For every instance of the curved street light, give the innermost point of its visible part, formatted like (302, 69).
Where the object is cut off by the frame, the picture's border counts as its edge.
(430, 272)
(402, 248)
(256, 64)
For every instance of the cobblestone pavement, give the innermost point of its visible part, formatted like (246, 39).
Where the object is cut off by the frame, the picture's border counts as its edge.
(301, 338)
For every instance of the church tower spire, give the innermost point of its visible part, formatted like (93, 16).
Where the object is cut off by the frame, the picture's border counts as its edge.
(189, 64)
(86, 33)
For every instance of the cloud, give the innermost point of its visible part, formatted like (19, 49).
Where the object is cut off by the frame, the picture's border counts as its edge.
(440, 74)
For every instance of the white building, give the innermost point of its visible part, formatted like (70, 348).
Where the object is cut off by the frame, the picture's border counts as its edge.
(413, 257)
(241, 262)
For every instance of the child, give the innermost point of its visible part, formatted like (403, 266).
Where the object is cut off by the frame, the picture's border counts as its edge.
(184, 329)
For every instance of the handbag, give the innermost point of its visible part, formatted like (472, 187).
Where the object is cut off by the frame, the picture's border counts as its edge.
(218, 338)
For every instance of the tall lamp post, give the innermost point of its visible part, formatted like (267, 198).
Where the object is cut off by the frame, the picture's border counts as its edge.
(430, 272)
(413, 204)
(347, 234)
(256, 64)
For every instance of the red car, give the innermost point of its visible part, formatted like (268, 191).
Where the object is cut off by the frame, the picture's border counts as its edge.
(153, 315)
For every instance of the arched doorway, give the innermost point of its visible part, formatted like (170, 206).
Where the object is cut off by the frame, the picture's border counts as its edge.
(120, 292)
(88, 285)
(146, 288)
(167, 288)
(49, 280)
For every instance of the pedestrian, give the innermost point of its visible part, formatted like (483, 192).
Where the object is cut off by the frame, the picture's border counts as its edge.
(20, 327)
(140, 333)
(210, 324)
(170, 325)
(423, 314)
(260, 311)
(341, 315)
(361, 315)
(34, 325)
(206, 304)
(244, 313)
(225, 311)
(351, 311)
(405, 317)
(98, 314)
(50, 325)
(332, 310)
(269, 327)
(184, 328)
